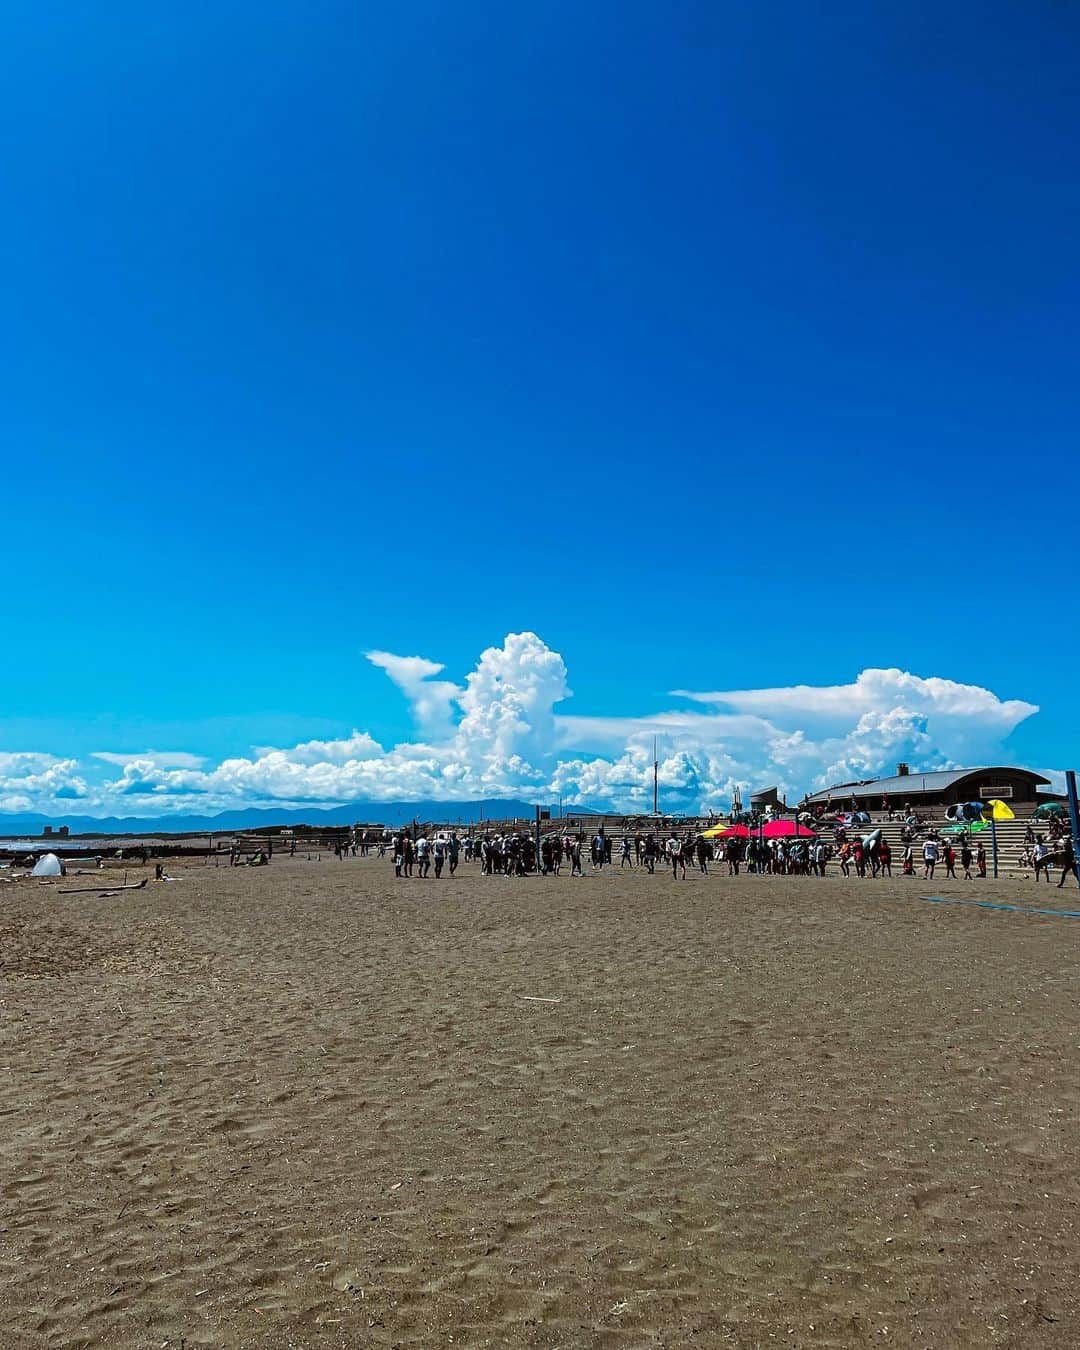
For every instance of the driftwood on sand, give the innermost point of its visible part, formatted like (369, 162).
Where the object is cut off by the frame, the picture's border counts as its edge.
(104, 888)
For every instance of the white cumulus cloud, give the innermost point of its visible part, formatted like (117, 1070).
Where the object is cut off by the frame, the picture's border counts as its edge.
(432, 700)
(164, 759)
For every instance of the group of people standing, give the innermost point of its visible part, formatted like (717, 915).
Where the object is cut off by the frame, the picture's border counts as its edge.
(936, 851)
(443, 851)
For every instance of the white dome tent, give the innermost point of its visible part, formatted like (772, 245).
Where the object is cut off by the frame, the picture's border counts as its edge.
(48, 865)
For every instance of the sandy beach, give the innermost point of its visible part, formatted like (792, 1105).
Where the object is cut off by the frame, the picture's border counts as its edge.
(307, 1105)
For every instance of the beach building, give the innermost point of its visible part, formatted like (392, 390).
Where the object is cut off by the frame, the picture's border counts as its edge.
(768, 798)
(932, 792)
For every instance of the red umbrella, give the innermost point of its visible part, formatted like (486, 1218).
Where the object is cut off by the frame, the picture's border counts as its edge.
(780, 829)
(732, 832)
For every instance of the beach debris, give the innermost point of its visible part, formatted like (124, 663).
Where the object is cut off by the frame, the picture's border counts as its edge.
(536, 998)
(102, 889)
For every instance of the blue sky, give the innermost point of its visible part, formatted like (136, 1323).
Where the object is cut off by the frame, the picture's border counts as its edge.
(726, 348)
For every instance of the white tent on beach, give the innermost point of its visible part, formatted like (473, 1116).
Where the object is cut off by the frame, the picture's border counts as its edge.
(48, 865)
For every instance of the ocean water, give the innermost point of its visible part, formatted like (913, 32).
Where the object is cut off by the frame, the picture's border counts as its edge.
(97, 844)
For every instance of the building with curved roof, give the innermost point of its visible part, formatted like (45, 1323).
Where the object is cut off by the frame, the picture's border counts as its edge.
(943, 787)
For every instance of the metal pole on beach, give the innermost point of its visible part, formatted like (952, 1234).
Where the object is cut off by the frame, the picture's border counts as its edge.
(1074, 813)
(993, 843)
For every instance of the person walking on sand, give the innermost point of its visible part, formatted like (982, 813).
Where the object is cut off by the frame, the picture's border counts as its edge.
(675, 857)
(930, 857)
(626, 857)
(885, 857)
(703, 855)
(733, 853)
(966, 859)
(575, 858)
(980, 859)
(950, 861)
(1068, 861)
(1041, 851)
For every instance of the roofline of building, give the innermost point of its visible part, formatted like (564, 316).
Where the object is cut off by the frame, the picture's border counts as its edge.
(869, 786)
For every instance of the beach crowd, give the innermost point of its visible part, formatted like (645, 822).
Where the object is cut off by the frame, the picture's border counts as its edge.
(515, 854)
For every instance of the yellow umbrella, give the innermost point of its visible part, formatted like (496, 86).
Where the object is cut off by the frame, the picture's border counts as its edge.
(999, 811)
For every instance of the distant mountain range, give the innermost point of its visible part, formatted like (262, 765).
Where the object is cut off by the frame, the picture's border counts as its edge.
(385, 813)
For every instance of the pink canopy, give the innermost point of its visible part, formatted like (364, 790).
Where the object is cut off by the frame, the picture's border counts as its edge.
(732, 832)
(780, 829)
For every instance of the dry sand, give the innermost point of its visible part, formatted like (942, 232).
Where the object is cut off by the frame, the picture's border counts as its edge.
(311, 1106)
